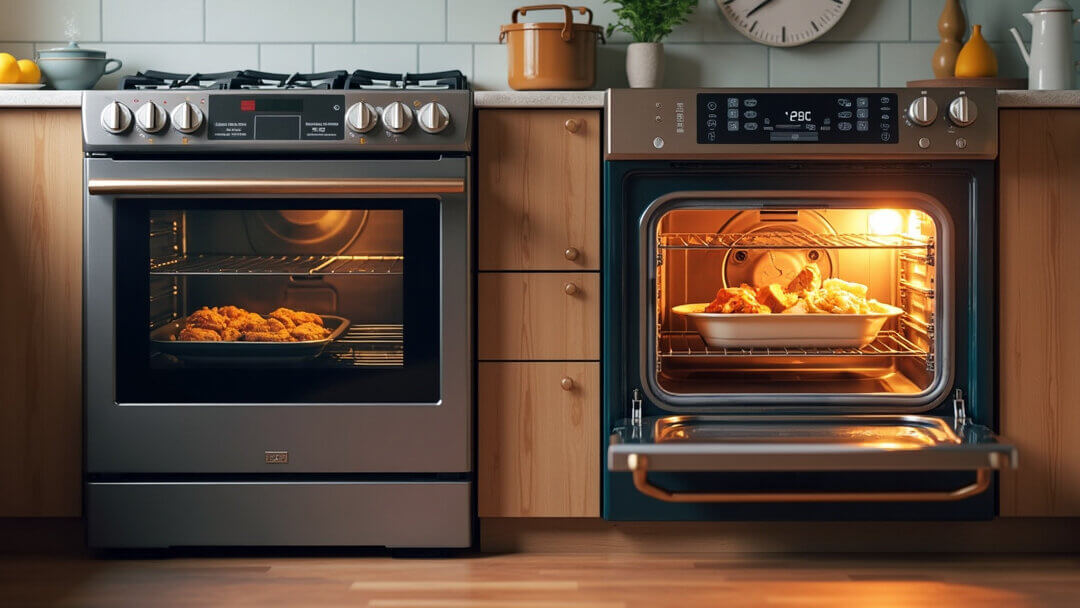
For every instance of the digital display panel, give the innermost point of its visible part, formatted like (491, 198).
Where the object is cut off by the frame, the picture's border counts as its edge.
(761, 118)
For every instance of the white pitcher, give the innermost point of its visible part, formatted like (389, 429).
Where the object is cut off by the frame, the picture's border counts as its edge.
(1050, 62)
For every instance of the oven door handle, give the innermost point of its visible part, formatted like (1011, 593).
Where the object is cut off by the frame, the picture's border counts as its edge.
(355, 185)
(639, 468)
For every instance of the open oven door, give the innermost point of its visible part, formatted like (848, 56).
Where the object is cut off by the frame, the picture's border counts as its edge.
(806, 444)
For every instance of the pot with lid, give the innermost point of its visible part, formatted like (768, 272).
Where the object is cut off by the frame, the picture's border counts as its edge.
(73, 67)
(551, 55)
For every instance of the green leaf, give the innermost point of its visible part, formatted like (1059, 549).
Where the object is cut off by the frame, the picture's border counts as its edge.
(649, 20)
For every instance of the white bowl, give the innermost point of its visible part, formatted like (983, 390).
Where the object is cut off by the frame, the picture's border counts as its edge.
(818, 330)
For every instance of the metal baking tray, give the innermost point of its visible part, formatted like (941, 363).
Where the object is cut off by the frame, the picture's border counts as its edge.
(166, 340)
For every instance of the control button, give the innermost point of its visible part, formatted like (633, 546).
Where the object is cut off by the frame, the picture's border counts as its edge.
(732, 102)
(733, 113)
(711, 106)
(793, 137)
(711, 123)
(751, 114)
(886, 116)
(862, 125)
(658, 119)
(924, 142)
(843, 102)
(658, 143)
(361, 117)
(884, 100)
(186, 118)
(115, 118)
(963, 111)
(844, 126)
(732, 125)
(750, 126)
(862, 113)
(961, 143)
(923, 111)
(711, 136)
(397, 117)
(150, 117)
(750, 103)
(862, 102)
(844, 114)
(886, 136)
(886, 126)
(433, 117)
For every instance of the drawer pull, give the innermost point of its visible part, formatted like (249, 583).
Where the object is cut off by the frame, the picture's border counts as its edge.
(572, 125)
(570, 289)
(571, 253)
(567, 383)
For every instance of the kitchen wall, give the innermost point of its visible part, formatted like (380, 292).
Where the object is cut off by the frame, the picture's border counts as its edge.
(878, 42)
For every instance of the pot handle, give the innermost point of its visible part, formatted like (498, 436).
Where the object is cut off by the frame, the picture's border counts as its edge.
(119, 64)
(568, 14)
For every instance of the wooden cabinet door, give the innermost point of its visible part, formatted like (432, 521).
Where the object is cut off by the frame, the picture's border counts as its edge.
(538, 439)
(1039, 287)
(538, 189)
(41, 307)
(547, 316)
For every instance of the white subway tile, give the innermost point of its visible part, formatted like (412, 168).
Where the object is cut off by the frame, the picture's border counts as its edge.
(279, 20)
(21, 50)
(824, 64)
(489, 67)
(286, 58)
(715, 65)
(904, 61)
(32, 20)
(393, 58)
(439, 57)
(152, 20)
(872, 20)
(419, 21)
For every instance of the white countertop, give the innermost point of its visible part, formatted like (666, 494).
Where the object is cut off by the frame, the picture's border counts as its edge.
(539, 99)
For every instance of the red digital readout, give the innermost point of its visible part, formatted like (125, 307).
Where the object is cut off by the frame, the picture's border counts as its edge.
(247, 105)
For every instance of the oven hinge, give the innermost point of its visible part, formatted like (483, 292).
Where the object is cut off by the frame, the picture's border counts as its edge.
(959, 407)
(635, 409)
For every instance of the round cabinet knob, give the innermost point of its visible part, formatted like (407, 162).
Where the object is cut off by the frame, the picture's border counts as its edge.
(361, 117)
(115, 118)
(150, 117)
(397, 117)
(186, 118)
(433, 117)
(963, 111)
(570, 289)
(572, 125)
(923, 111)
(567, 383)
(571, 253)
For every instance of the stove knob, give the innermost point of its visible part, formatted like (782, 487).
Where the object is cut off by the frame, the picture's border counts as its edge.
(433, 117)
(361, 117)
(150, 117)
(963, 111)
(397, 117)
(186, 118)
(115, 118)
(923, 111)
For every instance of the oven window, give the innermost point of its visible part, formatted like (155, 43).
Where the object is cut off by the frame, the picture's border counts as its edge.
(277, 301)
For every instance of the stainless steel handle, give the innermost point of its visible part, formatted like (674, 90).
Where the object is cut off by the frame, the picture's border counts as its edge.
(571, 253)
(639, 467)
(570, 289)
(278, 186)
(567, 383)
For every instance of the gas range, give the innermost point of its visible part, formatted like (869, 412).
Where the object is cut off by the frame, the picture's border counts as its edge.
(243, 111)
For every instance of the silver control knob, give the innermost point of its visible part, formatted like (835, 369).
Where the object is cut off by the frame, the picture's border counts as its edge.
(397, 117)
(923, 111)
(150, 117)
(186, 118)
(361, 117)
(433, 117)
(115, 118)
(963, 111)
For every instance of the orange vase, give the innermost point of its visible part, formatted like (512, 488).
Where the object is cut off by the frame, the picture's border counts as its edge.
(976, 59)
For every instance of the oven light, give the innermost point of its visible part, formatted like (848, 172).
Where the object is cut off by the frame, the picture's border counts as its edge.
(886, 221)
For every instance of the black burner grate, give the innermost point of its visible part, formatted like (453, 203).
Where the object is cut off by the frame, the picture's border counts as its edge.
(337, 79)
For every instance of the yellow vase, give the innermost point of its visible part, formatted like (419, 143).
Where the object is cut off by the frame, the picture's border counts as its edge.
(976, 59)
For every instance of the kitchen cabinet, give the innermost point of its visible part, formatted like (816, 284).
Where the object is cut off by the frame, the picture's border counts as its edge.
(538, 313)
(538, 189)
(1039, 331)
(538, 435)
(41, 308)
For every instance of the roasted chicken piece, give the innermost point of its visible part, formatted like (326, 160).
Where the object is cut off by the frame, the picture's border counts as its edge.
(776, 298)
(736, 300)
(205, 318)
(295, 317)
(232, 323)
(309, 331)
(199, 334)
(231, 334)
(808, 279)
(268, 336)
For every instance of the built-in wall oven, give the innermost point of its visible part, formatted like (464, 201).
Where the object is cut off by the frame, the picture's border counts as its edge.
(800, 289)
(278, 332)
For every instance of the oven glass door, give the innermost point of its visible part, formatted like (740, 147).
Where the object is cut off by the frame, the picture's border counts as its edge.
(277, 300)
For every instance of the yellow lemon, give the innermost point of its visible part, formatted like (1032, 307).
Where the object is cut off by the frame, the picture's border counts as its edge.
(9, 70)
(6, 58)
(30, 72)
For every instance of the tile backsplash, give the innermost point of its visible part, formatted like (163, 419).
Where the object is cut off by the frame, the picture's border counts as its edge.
(878, 42)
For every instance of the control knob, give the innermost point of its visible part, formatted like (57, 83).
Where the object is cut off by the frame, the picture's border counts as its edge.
(963, 111)
(361, 117)
(115, 118)
(397, 117)
(923, 111)
(186, 118)
(433, 117)
(150, 117)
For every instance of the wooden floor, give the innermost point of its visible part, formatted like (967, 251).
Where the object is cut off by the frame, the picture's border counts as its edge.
(540, 581)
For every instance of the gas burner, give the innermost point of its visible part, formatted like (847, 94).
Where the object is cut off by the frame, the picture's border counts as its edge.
(337, 79)
(449, 80)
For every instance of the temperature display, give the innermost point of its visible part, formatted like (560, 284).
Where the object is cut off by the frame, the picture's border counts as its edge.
(795, 118)
(798, 115)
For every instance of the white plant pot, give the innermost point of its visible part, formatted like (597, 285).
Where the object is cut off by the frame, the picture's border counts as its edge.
(645, 65)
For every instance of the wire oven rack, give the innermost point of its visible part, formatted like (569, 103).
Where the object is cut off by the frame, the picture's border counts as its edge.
(690, 344)
(371, 345)
(279, 265)
(788, 240)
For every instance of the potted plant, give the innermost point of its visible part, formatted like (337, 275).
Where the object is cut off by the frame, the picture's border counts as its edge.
(648, 22)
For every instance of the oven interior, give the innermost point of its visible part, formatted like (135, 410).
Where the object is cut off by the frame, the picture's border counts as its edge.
(892, 251)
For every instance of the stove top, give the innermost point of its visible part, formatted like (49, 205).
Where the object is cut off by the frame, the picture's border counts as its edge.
(451, 80)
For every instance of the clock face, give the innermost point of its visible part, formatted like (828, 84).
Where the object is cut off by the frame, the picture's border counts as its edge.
(783, 22)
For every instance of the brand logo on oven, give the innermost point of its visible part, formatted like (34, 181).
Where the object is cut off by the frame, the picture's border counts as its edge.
(276, 456)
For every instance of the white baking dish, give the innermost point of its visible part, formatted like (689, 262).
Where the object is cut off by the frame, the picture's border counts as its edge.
(821, 330)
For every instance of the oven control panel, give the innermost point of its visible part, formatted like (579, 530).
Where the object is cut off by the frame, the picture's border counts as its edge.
(801, 123)
(276, 117)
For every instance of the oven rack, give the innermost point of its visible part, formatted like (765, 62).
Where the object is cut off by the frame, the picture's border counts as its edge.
(689, 344)
(372, 345)
(313, 265)
(789, 240)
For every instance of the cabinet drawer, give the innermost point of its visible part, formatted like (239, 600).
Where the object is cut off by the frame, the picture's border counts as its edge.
(529, 316)
(538, 189)
(538, 439)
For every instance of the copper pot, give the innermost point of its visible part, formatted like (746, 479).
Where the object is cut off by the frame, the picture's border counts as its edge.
(552, 55)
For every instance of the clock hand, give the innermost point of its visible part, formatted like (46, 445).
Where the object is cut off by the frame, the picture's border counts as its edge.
(758, 7)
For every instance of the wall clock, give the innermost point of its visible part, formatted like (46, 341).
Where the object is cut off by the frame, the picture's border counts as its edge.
(783, 22)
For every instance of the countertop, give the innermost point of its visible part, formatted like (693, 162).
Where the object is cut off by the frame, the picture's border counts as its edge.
(541, 99)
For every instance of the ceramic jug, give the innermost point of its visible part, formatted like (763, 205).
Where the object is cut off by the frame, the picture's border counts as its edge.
(1050, 62)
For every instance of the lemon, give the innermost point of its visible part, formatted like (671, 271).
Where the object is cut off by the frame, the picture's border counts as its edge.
(6, 58)
(30, 72)
(9, 69)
